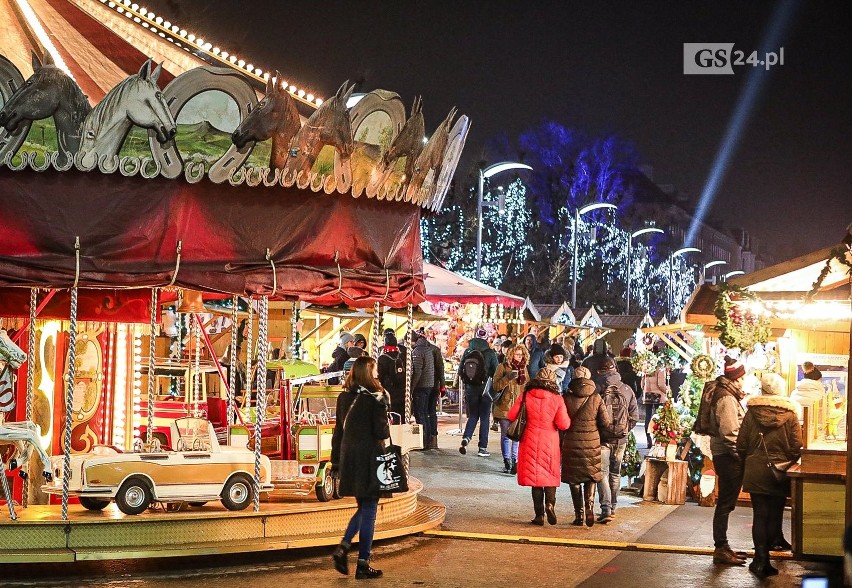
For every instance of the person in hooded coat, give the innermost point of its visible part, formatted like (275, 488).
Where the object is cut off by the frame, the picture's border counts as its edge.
(538, 455)
(770, 433)
(581, 444)
(392, 374)
(340, 355)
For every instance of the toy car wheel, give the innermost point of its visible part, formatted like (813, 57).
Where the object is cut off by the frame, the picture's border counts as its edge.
(93, 503)
(237, 493)
(325, 490)
(133, 497)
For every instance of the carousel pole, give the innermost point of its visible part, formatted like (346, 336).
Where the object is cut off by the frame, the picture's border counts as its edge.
(196, 368)
(30, 380)
(294, 331)
(152, 342)
(408, 371)
(377, 329)
(249, 350)
(262, 341)
(69, 388)
(232, 373)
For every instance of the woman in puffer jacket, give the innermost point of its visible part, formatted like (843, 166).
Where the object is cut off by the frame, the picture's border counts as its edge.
(581, 444)
(538, 454)
(509, 381)
(770, 433)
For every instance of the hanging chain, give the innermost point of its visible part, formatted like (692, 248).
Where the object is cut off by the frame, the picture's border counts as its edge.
(232, 375)
(69, 401)
(152, 342)
(260, 412)
(408, 367)
(31, 345)
(249, 350)
(295, 343)
(196, 382)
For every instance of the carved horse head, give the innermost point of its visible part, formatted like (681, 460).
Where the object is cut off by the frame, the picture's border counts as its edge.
(18, 440)
(409, 142)
(137, 100)
(329, 125)
(275, 116)
(48, 92)
(432, 156)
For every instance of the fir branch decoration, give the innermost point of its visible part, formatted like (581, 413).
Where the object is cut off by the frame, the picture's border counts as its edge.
(739, 328)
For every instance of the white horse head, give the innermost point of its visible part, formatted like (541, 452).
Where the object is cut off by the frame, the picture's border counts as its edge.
(135, 101)
(24, 437)
(11, 357)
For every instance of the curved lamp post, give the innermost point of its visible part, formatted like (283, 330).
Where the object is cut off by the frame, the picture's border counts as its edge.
(577, 213)
(680, 251)
(484, 174)
(710, 264)
(633, 235)
(733, 273)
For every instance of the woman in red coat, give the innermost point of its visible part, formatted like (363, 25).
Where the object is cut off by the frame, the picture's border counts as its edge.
(539, 458)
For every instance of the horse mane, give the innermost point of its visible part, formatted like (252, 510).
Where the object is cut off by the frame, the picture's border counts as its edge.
(78, 103)
(105, 109)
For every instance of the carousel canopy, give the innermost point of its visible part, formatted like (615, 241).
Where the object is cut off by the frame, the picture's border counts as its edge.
(149, 147)
(442, 285)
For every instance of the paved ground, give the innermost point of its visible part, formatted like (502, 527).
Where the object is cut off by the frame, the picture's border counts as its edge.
(480, 499)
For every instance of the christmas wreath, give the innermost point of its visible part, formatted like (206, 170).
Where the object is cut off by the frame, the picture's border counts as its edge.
(645, 362)
(703, 366)
(738, 326)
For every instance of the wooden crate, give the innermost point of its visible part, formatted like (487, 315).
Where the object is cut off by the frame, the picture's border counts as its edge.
(676, 476)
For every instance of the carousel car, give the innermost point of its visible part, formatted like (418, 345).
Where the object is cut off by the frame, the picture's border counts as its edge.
(199, 470)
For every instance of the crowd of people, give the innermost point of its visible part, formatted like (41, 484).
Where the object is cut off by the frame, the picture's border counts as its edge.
(579, 410)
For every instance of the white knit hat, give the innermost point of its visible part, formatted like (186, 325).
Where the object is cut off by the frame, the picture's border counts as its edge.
(771, 384)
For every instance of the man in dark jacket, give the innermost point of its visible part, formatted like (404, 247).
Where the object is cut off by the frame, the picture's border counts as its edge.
(422, 383)
(609, 385)
(473, 378)
(726, 415)
(536, 355)
(480, 344)
(340, 355)
(436, 390)
(392, 374)
(599, 354)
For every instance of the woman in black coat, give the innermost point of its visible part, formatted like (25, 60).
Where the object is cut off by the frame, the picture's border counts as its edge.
(770, 433)
(362, 427)
(581, 444)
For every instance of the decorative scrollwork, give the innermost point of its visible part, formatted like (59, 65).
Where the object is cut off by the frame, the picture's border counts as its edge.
(276, 175)
(85, 160)
(194, 171)
(303, 180)
(238, 177)
(329, 185)
(108, 163)
(254, 175)
(288, 178)
(61, 166)
(20, 165)
(316, 186)
(32, 159)
(129, 166)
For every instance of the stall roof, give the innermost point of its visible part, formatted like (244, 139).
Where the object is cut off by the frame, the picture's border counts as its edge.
(442, 285)
(627, 321)
(796, 275)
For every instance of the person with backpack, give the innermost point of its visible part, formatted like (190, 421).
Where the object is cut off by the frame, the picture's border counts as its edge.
(438, 359)
(509, 381)
(620, 402)
(720, 413)
(581, 444)
(392, 374)
(474, 378)
(422, 383)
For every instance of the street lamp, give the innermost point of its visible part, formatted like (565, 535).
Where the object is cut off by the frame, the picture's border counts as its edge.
(577, 213)
(709, 265)
(629, 266)
(680, 251)
(484, 174)
(732, 274)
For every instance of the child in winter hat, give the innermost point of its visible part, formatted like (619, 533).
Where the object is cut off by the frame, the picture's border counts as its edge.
(771, 384)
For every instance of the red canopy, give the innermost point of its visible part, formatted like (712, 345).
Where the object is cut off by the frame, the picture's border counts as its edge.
(327, 249)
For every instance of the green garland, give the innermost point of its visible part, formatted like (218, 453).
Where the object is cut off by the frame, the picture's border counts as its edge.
(838, 253)
(738, 328)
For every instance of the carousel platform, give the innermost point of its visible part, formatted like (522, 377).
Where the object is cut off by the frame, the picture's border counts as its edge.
(40, 535)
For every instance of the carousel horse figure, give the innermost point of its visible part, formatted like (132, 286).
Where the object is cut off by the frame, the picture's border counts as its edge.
(23, 437)
(409, 142)
(329, 125)
(275, 116)
(11, 358)
(137, 100)
(49, 92)
(432, 156)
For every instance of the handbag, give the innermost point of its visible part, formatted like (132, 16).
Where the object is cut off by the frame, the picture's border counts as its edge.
(517, 427)
(387, 470)
(778, 470)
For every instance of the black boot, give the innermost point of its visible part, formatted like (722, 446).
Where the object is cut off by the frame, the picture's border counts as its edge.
(341, 558)
(577, 499)
(760, 565)
(589, 500)
(365, 572)
(538, 506)
(514, 469)
(550, 504)
(507, 465)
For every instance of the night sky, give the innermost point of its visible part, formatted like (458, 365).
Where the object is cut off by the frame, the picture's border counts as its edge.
(602, 68)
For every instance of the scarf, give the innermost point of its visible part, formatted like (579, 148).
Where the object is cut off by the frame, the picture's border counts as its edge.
(522, 372)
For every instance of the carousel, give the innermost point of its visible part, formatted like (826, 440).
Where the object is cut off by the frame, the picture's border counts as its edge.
(149, 205)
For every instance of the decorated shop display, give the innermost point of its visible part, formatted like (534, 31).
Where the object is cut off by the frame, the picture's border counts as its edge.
(667, 429)
(645, 363)
(741, 324)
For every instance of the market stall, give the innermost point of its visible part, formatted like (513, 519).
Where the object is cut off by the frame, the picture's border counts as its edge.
(781, 317)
